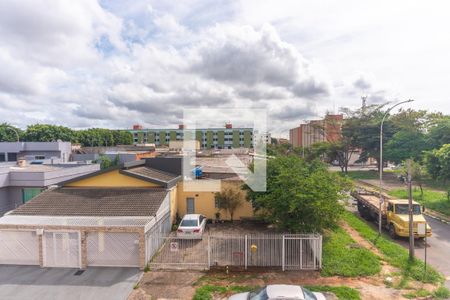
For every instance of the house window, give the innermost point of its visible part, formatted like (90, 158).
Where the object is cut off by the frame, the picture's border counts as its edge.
(39, 157)
(12, 156)
(30, 193)
(2, 156)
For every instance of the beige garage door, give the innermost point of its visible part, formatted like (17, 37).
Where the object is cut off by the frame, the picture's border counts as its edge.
(113, 249)
(62, 249)
(19, 248)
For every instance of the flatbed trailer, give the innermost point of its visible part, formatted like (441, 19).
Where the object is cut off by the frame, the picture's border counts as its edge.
(369, 205)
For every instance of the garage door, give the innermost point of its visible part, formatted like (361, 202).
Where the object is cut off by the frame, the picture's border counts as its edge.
(62, 249)
(113, 249)
(19, 248)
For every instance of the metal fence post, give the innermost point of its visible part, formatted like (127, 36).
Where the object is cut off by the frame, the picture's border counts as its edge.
(282, 255)
(246, 253)
(209, 252)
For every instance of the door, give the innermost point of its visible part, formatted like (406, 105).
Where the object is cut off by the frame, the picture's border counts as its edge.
(62, 249)
(111, 249)
(19, 247)
(190, 205)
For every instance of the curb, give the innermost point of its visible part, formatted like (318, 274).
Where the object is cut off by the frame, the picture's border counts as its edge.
(437, 218)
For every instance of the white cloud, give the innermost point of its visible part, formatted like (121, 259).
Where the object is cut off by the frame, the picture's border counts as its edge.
(79, 63)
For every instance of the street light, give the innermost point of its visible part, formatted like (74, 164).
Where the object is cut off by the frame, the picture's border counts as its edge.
(381, 159)
(15, 131)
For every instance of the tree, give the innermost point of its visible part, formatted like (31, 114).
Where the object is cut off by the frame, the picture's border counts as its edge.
(301, 196)
(49, 133)
(439, 134)
(361, 130)
(229, 199)
(405, 145)
(437, 162)
(417, 174)
(106, 162)
(8, 133)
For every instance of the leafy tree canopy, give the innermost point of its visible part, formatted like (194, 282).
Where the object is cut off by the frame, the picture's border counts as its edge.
(405, 144)
(8, 133)
(301, 196)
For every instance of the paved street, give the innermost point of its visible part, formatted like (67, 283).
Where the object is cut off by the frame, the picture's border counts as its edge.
(438, 247)
(29, 282)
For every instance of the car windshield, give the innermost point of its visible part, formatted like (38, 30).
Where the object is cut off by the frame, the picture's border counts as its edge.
(402, 209)
(258, 295)
(189, 223)
(309, 295)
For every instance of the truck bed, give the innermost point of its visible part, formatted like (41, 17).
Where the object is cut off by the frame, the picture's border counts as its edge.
(372, 200)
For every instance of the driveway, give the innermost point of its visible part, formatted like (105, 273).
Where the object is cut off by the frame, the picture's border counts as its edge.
(31, 282)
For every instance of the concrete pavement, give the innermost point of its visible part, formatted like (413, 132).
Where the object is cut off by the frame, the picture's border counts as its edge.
(31, 282)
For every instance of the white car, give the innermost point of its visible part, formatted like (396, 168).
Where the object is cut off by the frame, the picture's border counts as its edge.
(192, 226)
(280, 291)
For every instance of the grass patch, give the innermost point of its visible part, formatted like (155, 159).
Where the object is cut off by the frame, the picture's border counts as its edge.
(342, 292)
(434, 200)
(393, 253)
(206, 292)
(342, 256)
(436, 184)
(441, 293)
(369, 174)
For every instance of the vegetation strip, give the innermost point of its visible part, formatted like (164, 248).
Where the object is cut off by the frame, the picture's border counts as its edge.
(393, 253)
(206, 292)
(344, 257)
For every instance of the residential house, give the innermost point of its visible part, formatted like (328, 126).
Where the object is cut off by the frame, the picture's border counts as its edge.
(20, 183)
(37, 152)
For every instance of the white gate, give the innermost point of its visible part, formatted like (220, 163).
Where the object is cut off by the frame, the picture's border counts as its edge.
(111, 249)
(62, 249)
(288, 251)
(19, 247)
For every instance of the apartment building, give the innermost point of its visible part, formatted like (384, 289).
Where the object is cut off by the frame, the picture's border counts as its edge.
(315, 131)
(209, 138)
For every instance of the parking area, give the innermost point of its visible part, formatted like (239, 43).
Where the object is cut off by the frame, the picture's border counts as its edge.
(30, 282)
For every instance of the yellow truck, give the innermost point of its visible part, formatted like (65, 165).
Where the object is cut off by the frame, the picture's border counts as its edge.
(394, 213)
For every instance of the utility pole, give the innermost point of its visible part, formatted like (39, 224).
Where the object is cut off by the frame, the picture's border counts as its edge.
(410, 211)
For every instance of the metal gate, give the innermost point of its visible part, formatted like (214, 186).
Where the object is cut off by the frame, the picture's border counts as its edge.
(110, 249)
(302, 252)
(176, 253)
(62, 249)
(288, 251)
(19, 247)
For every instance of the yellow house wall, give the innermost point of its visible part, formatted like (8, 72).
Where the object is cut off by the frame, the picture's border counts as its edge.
(111, 179)
(205, 204)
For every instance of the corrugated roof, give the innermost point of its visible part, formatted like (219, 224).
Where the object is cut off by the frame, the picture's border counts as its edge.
(95, 202)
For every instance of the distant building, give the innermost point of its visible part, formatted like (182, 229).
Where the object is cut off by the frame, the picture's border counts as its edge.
(315, 131)
(38, 152)
(19, 182)
(209, 138)
(124, 153)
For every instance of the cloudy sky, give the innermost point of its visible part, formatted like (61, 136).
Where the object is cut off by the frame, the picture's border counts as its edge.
(115, 63)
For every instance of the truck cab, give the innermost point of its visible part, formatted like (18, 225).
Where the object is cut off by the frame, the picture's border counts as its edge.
(397, 218)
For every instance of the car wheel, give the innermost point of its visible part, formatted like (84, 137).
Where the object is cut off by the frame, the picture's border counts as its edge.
(392, 232)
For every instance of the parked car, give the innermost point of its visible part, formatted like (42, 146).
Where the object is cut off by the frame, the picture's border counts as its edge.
(280, 291)
(192, 226)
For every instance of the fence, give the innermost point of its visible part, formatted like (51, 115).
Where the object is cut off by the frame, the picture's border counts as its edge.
(288, 251)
